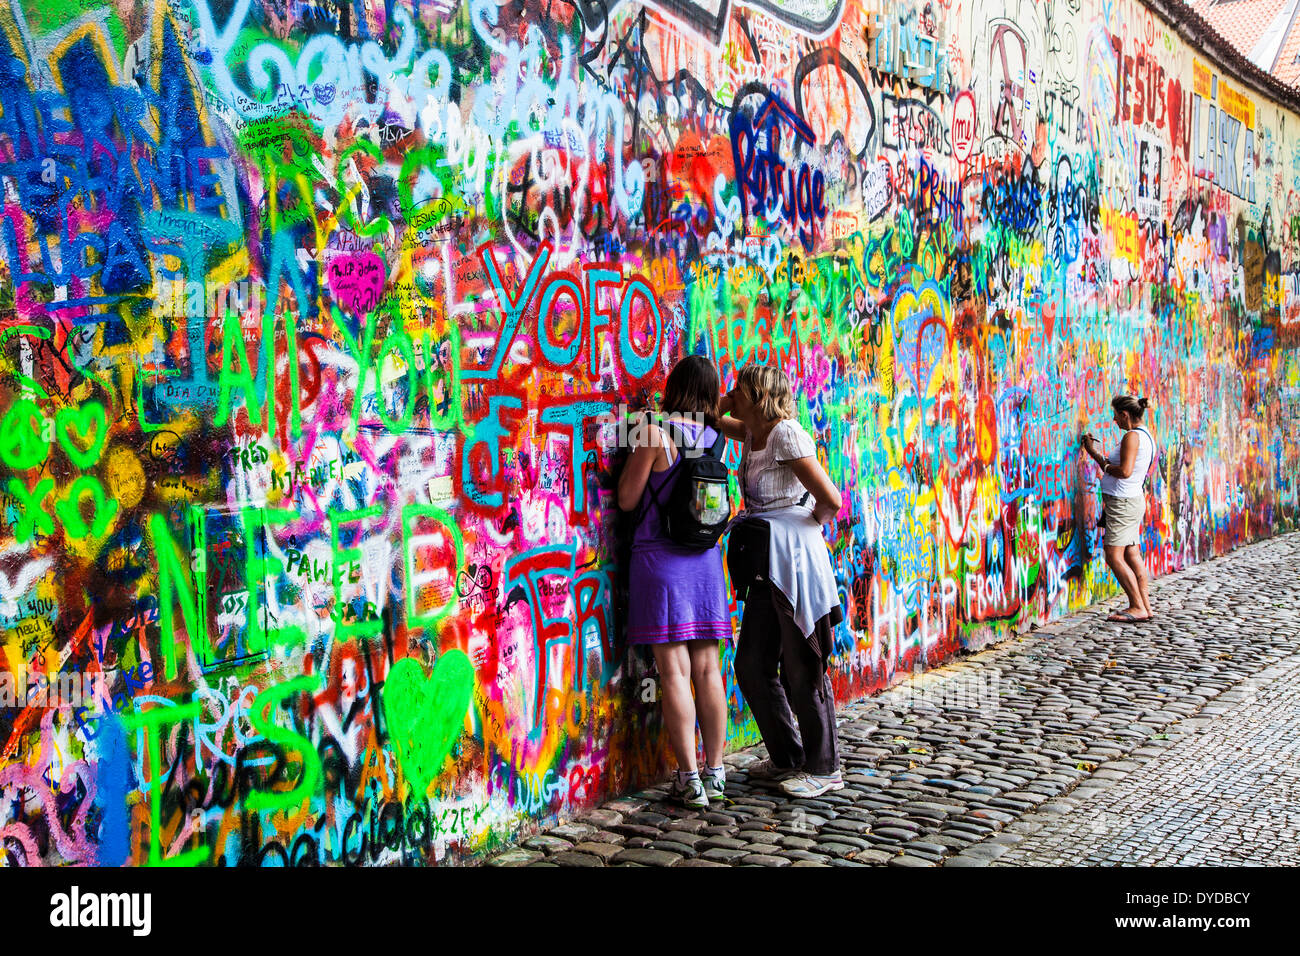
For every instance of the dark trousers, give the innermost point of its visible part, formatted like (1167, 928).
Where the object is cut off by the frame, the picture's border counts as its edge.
(778, 671)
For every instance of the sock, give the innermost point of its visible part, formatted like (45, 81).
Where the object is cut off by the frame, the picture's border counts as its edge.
(684, 775)
(716, 771)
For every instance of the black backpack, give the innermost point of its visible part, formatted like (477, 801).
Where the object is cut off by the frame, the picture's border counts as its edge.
(749, 547)
(698, 509)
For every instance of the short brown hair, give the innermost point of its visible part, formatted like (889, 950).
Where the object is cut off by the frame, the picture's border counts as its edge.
(768, 388)
(693, 387)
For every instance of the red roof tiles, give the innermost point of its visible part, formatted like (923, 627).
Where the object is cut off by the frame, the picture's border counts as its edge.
(1240, 22)
(1243, 23)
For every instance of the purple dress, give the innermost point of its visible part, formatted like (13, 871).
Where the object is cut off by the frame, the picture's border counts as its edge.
(676, 594)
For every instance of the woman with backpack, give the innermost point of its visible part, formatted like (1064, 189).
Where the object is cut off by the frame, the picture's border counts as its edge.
(791, 599)
(677, 601)
(1124, 504)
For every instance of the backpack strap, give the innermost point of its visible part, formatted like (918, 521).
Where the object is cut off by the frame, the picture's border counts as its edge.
(643, 509)
(676, 436)
(719, 445)
(1152, 441)
(679, 439)
(639, 515)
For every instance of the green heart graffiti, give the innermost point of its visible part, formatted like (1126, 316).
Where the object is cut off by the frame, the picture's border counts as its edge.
(91, 421)
(425, 715)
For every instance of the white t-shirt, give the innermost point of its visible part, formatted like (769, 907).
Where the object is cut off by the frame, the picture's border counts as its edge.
(769, 483)
(1130, 487)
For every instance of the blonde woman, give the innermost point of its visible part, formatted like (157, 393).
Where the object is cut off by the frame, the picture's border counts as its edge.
(786, 633)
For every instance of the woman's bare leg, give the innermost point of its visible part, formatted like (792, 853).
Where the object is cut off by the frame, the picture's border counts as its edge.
(674, 665)
(1127, 581)
(1137, 564)
(710, 698)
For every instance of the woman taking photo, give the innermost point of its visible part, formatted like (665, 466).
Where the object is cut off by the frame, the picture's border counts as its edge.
(1124, 504)
(677, 601)
(786, 634)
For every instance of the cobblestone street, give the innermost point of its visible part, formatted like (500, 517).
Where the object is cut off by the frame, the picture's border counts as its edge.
(1175, 741)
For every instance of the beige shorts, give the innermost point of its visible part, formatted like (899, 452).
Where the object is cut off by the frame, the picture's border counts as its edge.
(1123, 520)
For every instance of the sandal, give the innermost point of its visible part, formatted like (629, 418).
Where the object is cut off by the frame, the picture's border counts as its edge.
(1126, 618)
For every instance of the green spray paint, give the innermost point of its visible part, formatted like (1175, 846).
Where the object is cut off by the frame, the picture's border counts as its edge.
(257, 567)
(347, 558)
(413, 616)
(90, 419)
(173, 584)
(311, 767)
(23, 443)
(151, 722)
(232, 346)
(32, 515)
(426, 715)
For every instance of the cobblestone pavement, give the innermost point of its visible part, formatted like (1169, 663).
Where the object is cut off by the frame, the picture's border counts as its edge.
(1085, 742)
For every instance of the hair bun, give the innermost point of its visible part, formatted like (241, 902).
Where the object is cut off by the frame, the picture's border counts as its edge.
(1143, 403)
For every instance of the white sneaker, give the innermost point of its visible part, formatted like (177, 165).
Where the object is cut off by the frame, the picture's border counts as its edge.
(715, 782)
(687, 790)
(807, 785)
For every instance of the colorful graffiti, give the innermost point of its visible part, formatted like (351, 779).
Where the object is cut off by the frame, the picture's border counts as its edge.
(318, 319)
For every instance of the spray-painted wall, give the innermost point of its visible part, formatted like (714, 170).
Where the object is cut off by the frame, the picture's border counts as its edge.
(316, 319)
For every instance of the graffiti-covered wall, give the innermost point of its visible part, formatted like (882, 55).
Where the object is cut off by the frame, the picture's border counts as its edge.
(318, 318)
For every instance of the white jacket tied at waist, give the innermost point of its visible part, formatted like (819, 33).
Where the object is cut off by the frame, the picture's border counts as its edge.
(799, 565)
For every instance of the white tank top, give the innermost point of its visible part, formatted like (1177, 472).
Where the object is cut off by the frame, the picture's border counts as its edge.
(1130, 487)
